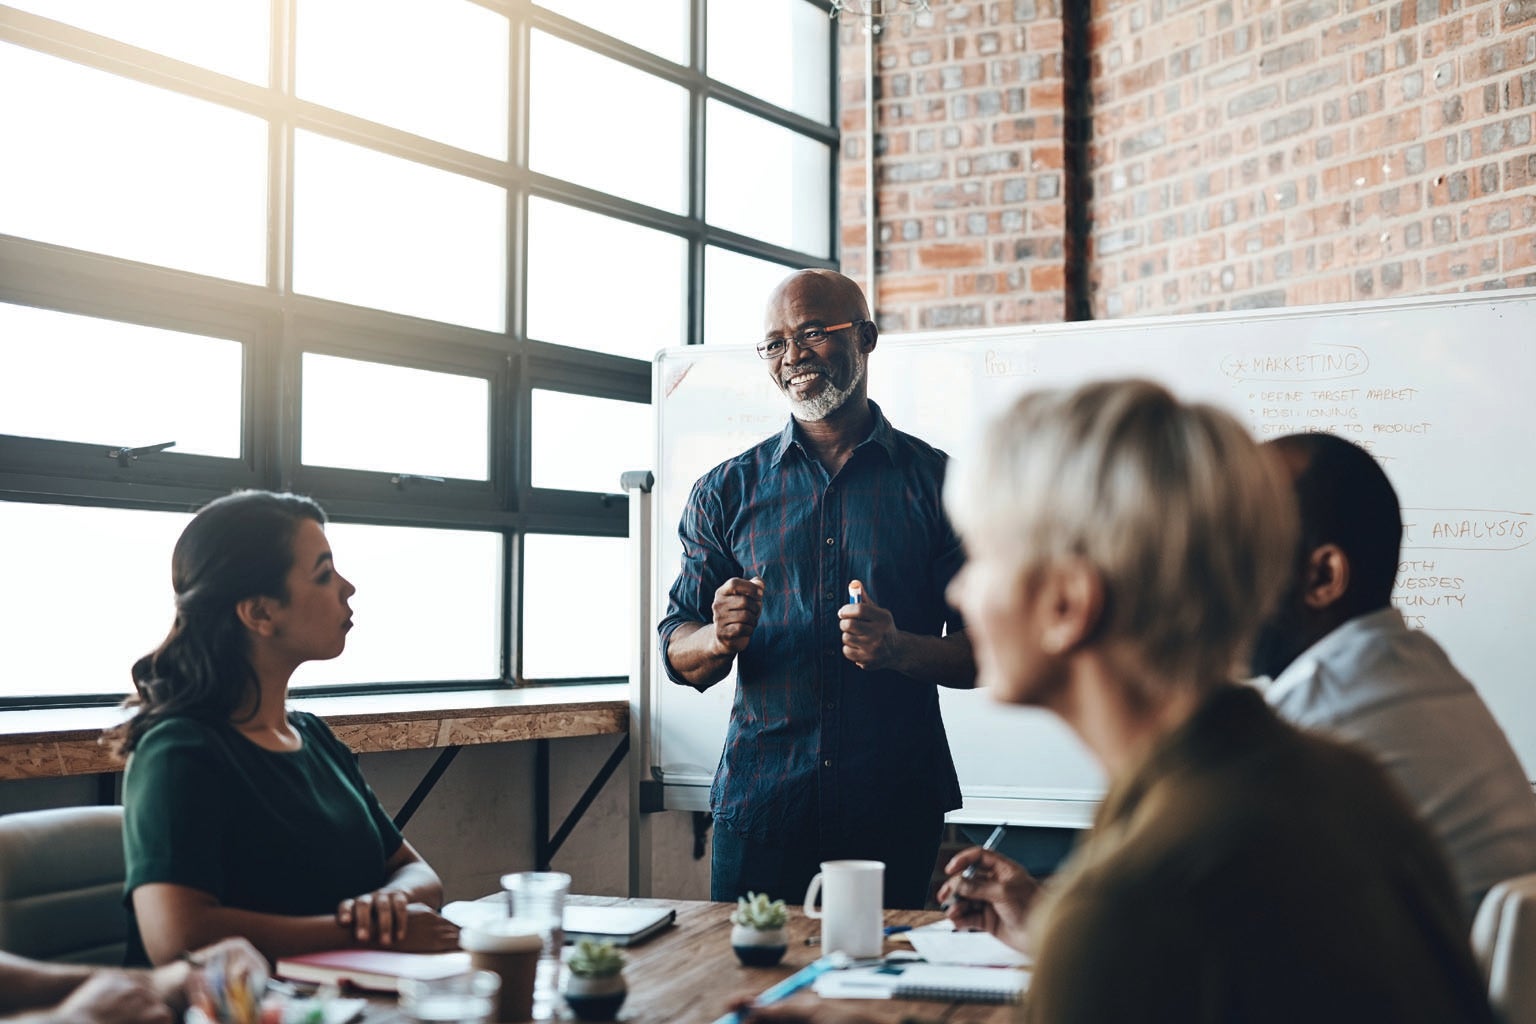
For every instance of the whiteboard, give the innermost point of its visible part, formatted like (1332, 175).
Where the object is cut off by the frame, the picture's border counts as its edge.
(1438, 388)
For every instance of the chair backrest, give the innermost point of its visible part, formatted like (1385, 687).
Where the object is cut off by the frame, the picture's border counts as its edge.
(1504, 940)
(61, 885)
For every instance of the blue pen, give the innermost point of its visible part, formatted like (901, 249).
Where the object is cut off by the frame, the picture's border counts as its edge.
(855, 592)
(792, 984)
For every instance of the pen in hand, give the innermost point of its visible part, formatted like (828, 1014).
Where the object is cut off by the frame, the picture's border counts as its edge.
(991, 844)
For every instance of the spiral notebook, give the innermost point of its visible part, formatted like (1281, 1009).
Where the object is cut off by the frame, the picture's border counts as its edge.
(946, 982)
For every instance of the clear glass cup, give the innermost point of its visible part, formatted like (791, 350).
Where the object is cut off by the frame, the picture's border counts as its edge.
(537, 898)
(468, 998)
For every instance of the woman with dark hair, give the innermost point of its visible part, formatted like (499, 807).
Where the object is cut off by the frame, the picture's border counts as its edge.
(241, 817)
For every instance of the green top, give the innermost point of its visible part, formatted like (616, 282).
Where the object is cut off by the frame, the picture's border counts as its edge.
(281, 833)
(1248, 872)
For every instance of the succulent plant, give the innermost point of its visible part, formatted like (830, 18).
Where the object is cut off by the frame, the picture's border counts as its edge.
(596, 959)
(755, 910)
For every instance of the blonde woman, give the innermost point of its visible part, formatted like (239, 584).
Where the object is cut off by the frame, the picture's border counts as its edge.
(1124, 547)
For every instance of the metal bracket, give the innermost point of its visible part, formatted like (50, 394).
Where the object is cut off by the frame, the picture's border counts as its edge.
(126, 455)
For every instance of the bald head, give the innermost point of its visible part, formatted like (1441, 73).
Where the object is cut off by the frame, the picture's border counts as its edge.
(823, 289)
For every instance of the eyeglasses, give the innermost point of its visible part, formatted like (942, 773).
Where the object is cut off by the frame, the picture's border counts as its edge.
(804, 338)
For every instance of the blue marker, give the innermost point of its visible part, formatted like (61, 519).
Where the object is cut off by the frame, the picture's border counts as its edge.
(792, 984)
(855, 592)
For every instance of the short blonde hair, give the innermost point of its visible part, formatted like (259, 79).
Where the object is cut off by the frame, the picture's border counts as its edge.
(1190, 525)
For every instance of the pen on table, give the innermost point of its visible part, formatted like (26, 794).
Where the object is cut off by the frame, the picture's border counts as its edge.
(792, 984)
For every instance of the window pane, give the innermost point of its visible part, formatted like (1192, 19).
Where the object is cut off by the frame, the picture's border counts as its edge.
(605, 125)
(98, 162)
(774, 49)
(766, 181)
(660, 26)
(427, 608)
(230, 37)
(643, 274)
(65, 377)
(394, 419)
(582, 443)
(435, 68)
(375, 230)
(559, 575)
(736, 290)
(87, 593)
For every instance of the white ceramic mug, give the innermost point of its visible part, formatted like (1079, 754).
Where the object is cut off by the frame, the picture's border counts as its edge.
(850, 915)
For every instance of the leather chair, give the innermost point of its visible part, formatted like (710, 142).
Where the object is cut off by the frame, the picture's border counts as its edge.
(61, 885)
(1504, 940)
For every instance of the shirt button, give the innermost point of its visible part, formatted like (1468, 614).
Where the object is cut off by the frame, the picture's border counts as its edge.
(831, 706)
(830, 541)
(826, 764)
(831, 595)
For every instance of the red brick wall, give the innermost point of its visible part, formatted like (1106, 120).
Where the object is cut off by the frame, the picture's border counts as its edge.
(967, 165)
(1245, 153)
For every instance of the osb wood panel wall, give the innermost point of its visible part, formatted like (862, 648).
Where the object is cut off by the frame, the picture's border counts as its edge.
(1244, 153)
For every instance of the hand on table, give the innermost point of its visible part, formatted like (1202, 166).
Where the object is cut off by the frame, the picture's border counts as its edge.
(734, 611)
(996, 899)
(385, 918)
(115, 997)
(870, 636)
(427, 931)
(377, 918)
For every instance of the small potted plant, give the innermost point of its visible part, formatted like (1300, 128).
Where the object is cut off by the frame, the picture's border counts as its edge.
(757, 930)
(594, 988)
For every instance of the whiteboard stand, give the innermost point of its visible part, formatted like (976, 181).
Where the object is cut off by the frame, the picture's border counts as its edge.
(637, 484)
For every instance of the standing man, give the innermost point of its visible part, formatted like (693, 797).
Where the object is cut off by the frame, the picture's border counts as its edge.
(1344, 662)
(835, 747)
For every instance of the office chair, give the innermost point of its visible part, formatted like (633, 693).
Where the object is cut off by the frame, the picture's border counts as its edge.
(61, 885)
(1504, 940)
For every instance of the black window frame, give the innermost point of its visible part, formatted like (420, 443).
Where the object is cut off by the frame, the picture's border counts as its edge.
(277, 326)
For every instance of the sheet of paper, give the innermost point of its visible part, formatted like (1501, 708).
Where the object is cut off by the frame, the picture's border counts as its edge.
(468, 913)
(977, 949)
(856, 983)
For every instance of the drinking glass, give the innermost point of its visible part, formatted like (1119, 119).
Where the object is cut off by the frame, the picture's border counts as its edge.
(468, 998)
(537, 898)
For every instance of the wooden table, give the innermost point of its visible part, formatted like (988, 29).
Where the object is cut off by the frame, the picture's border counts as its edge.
(687, 974)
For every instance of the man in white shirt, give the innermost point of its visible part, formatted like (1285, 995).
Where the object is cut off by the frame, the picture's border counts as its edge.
(1344, 662)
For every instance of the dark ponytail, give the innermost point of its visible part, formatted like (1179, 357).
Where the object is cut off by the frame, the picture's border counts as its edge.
(237, 547)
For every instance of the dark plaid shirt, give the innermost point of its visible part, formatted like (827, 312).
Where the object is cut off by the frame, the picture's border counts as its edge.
(815, 742)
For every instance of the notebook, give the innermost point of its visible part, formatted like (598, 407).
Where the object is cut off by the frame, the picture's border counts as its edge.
(619, 924)
(378, 970)
(943, 982)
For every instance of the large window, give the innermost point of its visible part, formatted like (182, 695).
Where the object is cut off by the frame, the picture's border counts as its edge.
(411, 257)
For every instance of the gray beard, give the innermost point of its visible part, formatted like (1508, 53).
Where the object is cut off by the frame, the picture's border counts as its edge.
(828, 400)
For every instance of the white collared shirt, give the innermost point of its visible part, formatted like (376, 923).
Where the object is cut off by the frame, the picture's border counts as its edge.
(1392, 691)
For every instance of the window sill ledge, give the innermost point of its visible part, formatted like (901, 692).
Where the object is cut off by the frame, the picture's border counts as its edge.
(59, 742)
